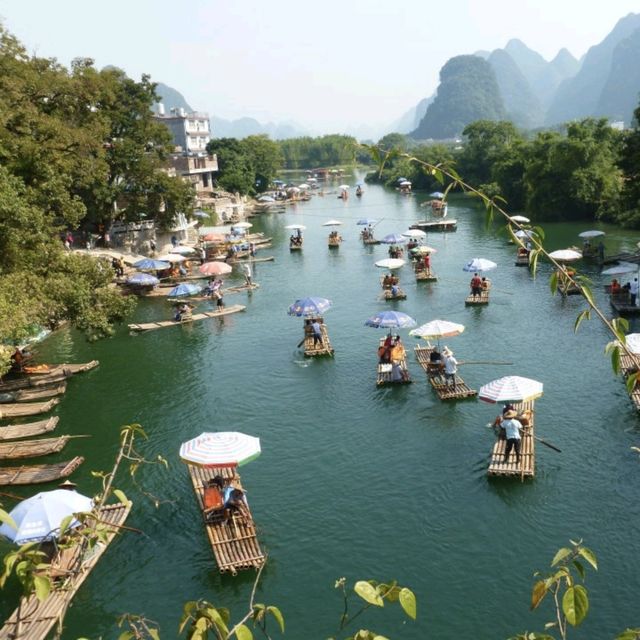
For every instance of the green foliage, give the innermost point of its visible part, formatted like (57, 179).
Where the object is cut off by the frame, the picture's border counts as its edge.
(324, 151)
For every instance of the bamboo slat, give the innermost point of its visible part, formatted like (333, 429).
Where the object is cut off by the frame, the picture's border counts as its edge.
(34, 619)
(401, 295)
(32, 448)
(526, 468)
(26, 395)
(437, 380)
(16, 431)
(235, 543)
(39, 473)
(150, 326)
(317, 349)
(436, 225)
(26, 408)
(423, 276)
(55, 373)
(483, 298)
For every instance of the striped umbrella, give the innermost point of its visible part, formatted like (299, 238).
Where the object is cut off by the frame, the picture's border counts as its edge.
(220, 449)
(510, 389)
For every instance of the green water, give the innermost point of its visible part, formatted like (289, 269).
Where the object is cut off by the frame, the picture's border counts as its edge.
(353, 480)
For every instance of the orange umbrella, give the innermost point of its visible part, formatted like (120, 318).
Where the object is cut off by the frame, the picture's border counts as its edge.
(215, 268)
(213, 237)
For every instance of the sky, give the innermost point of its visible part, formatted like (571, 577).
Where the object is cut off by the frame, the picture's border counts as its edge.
(330, 66)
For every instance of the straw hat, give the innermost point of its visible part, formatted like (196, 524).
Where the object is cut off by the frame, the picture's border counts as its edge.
(446, 351)
(67, 484)
(510, 414)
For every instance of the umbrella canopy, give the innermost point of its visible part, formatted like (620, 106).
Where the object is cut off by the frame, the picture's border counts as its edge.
(214, 268)
(293, 190)
(303, 186)
(266, 199)
(220, 449)
(148, 264)
(344, 187)
(619, 269)
(524, 233)
(172, 257)
(143, 279)
(438, 329)
(405, 183)
(184, 289)
(391, 320)
(594, 233)
(394, 238)
(301, 227)
(309, 307)
(38, 518)
(479, 264)
(437, 194)
(213, 237)
(565, 255)
(242, 225)
(366, 221)
(510, 389)
(390, 263)
(401, 179)
(415, 234)
(199, 213)
(423, 248)
(331, 223)
(519, 219)
(632, 341)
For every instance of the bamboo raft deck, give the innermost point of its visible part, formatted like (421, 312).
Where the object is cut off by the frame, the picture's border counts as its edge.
(295, 247)
(25, 395)
(522, 260)
(32, 448)
(436, 225)
(17, 431)
(241, 260)
(161, 324)
(227, 291)
(472, 300)
(26, 408)
(55, 373)
(526, 468)
(437, 380)
(385, 372)
(624, 308)
(39, 473)
(423, 276)
(34, 619)
(387, 295)
(235, 544)
(370, 241)
(310, 349)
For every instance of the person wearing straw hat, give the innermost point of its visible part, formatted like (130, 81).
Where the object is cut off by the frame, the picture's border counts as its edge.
(450, 367)
(512, 429)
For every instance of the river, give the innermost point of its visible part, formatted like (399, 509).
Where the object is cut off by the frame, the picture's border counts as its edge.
(353, 480)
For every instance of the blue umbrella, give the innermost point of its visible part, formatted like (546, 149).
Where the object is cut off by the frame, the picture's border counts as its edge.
(391, 320)
(366, 221)
(437, 194)
(185, 289)
(309, 307)
(394, 238)
(143, 279)
(148, 264)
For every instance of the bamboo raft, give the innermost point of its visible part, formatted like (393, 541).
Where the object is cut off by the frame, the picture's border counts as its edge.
(424, 276)
(387, 295)
(311, 349)
(235, 544)
(17, 431)
(34, 619)
(241, 260)
(32, 448)
(39, 473)
(228, 290)
(526, 468)
(161, 324)
(370, 241)
(522, 260)
(385, 372)
(437, 380)
(25, 395)
(295, 247)
(26, 408)
(54, 373)
(623, 307)
(483, 298)
(436, 225)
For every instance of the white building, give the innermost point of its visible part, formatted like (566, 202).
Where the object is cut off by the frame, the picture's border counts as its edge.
(190, 131)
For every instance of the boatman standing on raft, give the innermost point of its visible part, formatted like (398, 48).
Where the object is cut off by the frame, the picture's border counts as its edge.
(317, 332)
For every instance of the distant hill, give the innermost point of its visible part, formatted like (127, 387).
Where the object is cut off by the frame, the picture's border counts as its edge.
(411, 119)
(243, 127)
(171, 99)
(468, 91)
(582, 95)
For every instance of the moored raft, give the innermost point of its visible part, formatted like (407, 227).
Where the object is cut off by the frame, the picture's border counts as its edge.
(69, 568)
(18, 409)
(161, 324)
(17, 431)
(526, 468)
(46, 375)
(32, 448)
(436, 225)
(233, 540)
(437, 380)
(39, 473)
(26, 395)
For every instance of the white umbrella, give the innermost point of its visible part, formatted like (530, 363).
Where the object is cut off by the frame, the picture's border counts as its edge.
(591, 234)
(344, 187)
(510, 389)
(619, 269)
(331, 223)
(424, 248)
(220, 449)
(293, 190)
(303, 186)
(519, 219)
(390, 263)
(522, 233)
(405, 183)
(242, 225)
(38, 518)
(632, 342)
(479, 264)
(565, 255)
(295, 226)
(438, 329)
(172, 257)
(183, 250)
(416, 234)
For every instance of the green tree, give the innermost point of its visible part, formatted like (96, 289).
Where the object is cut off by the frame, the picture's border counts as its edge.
(266, 159)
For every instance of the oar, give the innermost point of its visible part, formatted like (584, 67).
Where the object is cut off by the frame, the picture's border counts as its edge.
(548, 444)
(301, 342)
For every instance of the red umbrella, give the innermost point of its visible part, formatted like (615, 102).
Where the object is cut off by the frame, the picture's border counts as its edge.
(213, 237)
(215, 268)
